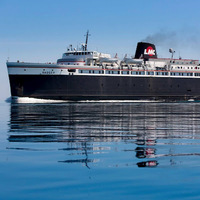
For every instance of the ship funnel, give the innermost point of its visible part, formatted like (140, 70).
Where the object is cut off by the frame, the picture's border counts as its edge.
(145, 50)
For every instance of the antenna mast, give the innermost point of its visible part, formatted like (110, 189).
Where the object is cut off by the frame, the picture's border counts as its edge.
(172, 52)
(87, 34)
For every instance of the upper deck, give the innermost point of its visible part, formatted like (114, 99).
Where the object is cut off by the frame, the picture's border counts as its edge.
(83, 61)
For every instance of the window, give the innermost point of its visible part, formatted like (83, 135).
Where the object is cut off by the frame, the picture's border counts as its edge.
(150, 73)
(115, 72)
(125, 72)
(84, 71)
(71, 70)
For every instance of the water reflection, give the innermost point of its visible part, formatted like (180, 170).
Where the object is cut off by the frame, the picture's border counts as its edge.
(150, 130)
(152, 163)
(142, 152)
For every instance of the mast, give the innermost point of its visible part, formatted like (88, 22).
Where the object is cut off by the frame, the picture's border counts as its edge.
(87, 34)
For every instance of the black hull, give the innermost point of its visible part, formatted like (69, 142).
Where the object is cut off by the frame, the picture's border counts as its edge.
(84, 87)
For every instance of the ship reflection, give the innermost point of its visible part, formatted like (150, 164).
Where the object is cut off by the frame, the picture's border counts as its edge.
(148, 142)
(145, 152)
(152, 163)
(81, 126)
(86, 160)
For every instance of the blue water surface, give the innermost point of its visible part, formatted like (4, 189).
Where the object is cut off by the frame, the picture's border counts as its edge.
(99, 150)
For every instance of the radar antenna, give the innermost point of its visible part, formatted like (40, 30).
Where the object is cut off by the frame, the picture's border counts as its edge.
(87, 34)
(172, 52)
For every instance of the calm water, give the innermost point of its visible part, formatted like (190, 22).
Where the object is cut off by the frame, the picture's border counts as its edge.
(100, 151)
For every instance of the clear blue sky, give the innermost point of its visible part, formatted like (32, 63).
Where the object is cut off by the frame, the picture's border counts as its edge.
(40, 30)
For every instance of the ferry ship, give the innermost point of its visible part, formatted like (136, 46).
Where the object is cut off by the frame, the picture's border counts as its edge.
(90, 75)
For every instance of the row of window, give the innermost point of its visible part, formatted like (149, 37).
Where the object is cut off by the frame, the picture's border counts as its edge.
(180, 74)
(91, 71)
(135, 72)
(112, 72)
(79, 53)
(162, 73)
(48, 72)
(191, 62)
(173, 67)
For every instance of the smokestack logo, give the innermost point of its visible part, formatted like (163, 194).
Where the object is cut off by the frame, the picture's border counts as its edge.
(149, 51)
